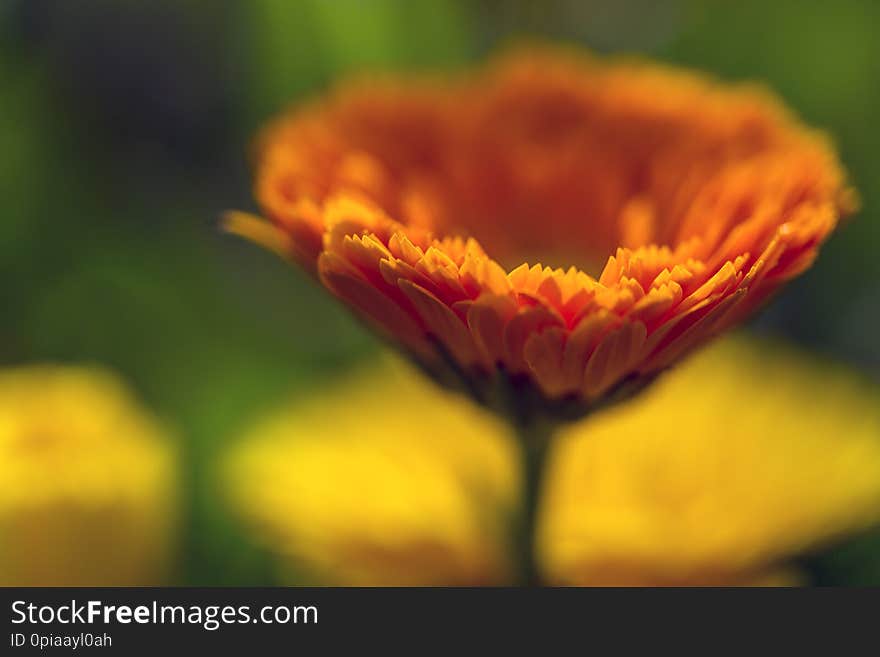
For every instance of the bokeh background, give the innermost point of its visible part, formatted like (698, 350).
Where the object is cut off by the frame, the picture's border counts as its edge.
(124, 127)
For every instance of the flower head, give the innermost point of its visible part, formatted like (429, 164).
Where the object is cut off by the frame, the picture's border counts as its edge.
(87, 482)
(664, 206)
(723, 490)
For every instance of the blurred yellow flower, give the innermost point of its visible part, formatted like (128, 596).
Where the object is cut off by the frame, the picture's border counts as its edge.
(746, 456)
(385, 479)
(87, 482)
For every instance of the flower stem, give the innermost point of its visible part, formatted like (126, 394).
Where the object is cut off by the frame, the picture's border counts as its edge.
(534, 441)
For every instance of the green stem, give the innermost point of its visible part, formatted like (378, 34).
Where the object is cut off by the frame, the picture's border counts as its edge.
(534, 440)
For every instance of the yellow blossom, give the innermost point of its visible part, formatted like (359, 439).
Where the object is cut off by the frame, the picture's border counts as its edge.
(87, 481)
(383, 480)
(744, 457)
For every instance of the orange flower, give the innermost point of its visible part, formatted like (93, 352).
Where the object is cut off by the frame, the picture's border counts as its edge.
(420, 203)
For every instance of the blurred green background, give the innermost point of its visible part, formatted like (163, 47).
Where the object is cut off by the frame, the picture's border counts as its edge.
(124, 126)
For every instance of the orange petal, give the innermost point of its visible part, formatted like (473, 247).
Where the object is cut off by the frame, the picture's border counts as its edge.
(258, 231)
(442, 323)
(487, 318)
(392, 320)
(543, 353)
(518, 330)
(615, 357)
(580, 345)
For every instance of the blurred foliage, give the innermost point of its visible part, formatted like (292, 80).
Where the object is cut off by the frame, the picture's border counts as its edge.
(125, 126)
